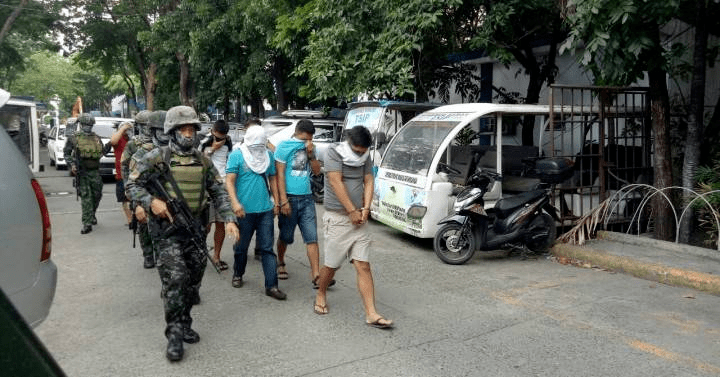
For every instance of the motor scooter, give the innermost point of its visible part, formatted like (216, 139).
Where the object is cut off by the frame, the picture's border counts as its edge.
(524, 222)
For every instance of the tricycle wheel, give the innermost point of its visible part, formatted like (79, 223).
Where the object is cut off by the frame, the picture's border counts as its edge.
(453, 244)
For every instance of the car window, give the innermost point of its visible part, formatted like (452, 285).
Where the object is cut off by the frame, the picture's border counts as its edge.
(104, 130)
(69, 131)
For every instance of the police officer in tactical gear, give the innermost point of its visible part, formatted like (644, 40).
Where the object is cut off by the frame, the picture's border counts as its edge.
(83, 151)
(142, 143)
(179, 263)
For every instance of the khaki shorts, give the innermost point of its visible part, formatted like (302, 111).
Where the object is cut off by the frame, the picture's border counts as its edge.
(343, 240)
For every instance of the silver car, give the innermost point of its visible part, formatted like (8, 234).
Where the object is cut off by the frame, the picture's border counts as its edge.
(27, 274)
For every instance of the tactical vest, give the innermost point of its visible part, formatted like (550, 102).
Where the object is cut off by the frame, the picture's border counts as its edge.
(189, 174)
(89, 150)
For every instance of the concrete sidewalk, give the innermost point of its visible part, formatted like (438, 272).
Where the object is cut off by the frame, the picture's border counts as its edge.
(664, 262)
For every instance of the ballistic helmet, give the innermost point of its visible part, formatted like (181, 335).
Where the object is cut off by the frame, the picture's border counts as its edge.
(143, 117)
(181, 115)
(156, 119)
(86, 119)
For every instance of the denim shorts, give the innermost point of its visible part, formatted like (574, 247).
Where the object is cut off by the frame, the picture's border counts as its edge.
(303, 215)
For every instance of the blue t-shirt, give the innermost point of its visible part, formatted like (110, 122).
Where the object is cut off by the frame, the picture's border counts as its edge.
(293, 154)
(251, 188)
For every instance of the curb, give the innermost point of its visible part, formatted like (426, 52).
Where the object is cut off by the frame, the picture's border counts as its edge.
(649, 271)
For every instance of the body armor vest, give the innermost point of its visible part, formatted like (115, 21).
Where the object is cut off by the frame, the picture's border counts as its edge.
(89, 150)
(189, 174)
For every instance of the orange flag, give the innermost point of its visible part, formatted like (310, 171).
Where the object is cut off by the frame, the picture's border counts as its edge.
(77, 108)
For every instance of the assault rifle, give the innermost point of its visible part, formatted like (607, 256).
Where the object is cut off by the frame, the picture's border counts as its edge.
(78, 167)
(183, 219)
(134, 224)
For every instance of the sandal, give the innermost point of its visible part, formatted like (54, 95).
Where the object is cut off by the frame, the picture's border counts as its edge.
(316, 286)
(320, 309)
(380, 323)
(282, 275)
(222, 265)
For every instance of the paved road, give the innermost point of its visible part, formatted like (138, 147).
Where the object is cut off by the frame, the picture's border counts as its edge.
(495, 316)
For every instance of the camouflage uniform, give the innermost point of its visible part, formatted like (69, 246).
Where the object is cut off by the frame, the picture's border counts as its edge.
(180, 265)
(141, 143)
(90, 149)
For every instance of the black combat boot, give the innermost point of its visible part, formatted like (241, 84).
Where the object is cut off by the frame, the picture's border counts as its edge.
(149, 262)
(86, 229)
(190, 336)
(175, 347)
(94, 220)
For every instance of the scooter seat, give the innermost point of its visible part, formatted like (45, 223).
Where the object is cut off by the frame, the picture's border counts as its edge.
(507, 205)
(519, 184)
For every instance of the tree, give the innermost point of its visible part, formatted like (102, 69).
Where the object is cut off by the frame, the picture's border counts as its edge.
(621, 40)
(376, 47)
(69, 81)
(107, 33)
(511, 30)
(26, 29)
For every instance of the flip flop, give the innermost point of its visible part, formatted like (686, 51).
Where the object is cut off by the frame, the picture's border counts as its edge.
(222, 265)
(320, 309)
(380, 325)
(317, 286)
(282, 275)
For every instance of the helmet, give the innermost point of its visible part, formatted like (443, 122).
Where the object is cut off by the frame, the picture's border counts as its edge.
(86, 118)
(156, 119)
(181, 115)
(143, 117)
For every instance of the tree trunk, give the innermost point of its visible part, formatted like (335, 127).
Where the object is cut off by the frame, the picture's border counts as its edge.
(150, 87)
(659, 112)
(184, 79)
(279, 83)
(11, 19)
(696, 118)
(226, 104)
(711, 136)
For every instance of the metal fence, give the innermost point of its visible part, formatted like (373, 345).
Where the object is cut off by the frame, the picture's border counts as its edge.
(606, 132)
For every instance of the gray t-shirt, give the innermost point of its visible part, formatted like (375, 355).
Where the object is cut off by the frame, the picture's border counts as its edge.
(353, 178)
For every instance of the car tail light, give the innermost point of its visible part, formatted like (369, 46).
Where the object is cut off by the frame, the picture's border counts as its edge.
(47, 234)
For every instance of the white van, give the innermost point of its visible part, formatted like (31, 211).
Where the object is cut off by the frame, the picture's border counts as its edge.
(19, 119)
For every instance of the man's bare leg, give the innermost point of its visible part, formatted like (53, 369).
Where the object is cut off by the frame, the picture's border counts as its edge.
(313, 254)
(281, 249)
(219, 239)
(326, 275)
(366, 287)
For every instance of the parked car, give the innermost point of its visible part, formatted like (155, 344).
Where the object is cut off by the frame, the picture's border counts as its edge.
(55, 145)
(327, 130)
(105, 127)
(18, 117)
(28, 275)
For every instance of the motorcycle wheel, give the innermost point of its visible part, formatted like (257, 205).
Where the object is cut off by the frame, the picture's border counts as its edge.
(540, 225)
(451, 246)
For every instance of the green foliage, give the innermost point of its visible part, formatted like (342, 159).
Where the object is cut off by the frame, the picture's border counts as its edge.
(465, 136)
(617, 37)
(69, 80)
(375, 47)
(708, 179)
(29, 33)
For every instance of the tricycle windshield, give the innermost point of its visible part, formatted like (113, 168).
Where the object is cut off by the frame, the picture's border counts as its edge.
(414, 146)
(363, 116)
